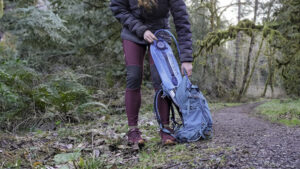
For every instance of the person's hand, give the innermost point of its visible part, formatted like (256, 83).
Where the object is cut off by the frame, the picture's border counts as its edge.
(188, 66)
(149, 36)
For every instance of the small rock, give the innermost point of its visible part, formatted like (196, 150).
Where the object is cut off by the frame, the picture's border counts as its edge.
(69, 146)
(231, 164)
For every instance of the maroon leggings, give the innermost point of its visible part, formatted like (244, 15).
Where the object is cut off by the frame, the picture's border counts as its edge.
(134, 58)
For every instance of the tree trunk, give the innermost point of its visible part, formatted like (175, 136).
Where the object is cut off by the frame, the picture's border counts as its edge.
(205, 66)
(254, 65)
(249, 56)
(1, 8)
(266, 86)
(271, 68)
(269, 76)
(237, 47)
(212, 29)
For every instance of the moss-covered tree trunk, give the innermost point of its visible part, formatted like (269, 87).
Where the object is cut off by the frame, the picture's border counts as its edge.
(271, 69)
(247, 67)
(254, 65)
(237, 45)
(1, 8)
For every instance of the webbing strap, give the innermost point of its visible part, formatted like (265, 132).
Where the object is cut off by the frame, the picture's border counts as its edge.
(156, 112)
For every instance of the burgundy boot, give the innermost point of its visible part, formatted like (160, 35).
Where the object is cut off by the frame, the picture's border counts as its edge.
(134, 137)
(167, 139)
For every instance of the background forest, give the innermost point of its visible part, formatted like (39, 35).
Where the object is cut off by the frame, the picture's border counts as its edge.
(61, 61)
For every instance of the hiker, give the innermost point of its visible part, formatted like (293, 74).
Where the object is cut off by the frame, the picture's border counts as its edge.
(140, 19)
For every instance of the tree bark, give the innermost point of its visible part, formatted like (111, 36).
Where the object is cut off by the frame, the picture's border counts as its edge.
(1, 8)
(254, 65)
(271, 69)
(237, 47)
(249, 56)
(270, 56)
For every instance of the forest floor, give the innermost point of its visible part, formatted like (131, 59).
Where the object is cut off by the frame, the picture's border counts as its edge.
(242, 139)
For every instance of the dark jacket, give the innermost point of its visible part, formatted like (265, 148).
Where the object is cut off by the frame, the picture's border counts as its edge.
(136, 20)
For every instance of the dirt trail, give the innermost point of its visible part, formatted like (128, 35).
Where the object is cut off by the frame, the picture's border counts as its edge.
(256, 142)
(241, 140)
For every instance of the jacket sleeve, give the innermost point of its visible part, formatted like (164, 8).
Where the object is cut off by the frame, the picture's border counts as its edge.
(183, 29)
(121, 11)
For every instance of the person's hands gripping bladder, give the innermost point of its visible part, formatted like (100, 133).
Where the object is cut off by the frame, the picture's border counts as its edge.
(188, 66)
(149, 36)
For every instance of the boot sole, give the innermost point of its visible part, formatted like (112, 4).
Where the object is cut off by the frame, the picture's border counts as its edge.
(168, 142)
(140, 143)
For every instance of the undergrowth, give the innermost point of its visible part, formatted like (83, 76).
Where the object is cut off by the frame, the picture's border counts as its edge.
(102, 144)
(282, 111)
(29, 97)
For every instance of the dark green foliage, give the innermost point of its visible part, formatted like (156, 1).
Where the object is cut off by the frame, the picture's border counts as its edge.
(52, 61)
(288, 19)
(28, 95)
(73, 33)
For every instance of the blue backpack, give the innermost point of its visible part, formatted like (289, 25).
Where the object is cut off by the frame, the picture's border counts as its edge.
(196, 121)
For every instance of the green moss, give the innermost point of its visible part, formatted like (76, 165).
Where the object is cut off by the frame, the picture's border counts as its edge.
(282, 111)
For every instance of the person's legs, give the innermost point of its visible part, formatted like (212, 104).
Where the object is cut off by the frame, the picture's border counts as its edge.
(163, 104)
(134, 56)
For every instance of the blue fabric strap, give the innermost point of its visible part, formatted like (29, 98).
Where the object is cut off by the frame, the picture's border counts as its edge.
(156, 112)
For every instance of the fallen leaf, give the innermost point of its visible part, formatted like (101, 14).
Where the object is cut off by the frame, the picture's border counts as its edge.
(63, 167)
(66, 157)
(82, 145)
(122, 147)
(35, 164)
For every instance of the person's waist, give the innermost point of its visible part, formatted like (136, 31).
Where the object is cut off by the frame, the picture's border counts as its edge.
(156, 24)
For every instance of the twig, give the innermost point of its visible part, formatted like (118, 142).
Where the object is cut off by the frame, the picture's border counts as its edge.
(74, 164)
(93, 145)
(2, 164)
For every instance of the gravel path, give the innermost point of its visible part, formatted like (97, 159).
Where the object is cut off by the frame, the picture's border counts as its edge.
(255, 142)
